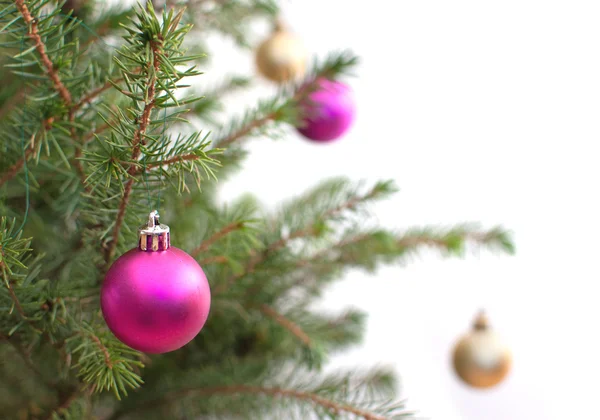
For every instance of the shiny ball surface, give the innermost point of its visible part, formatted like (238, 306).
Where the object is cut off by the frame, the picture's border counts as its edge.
(155, 302)
(281, 57)
(481, 359)
(329, 111)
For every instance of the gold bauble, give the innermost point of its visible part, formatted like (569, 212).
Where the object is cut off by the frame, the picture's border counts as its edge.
(481, 359)
(281, 57)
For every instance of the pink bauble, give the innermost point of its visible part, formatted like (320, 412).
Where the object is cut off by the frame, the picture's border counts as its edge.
(328, 111)
(155, 302)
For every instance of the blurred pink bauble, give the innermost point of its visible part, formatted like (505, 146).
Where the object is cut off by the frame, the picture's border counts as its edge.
(155, 302)
(329, 111)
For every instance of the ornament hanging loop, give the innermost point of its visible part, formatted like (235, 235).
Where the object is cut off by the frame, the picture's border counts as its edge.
(153, 219)
(154, 236)
(481, 321)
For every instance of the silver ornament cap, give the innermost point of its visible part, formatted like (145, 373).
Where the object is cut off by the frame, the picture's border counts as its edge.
(154, 236)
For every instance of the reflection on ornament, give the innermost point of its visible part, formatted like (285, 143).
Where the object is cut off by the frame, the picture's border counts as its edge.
(329, 111)
(281, 57)
(155, 298)
(480, 358)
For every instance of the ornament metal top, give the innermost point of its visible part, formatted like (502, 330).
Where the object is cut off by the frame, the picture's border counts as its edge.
(154, 236)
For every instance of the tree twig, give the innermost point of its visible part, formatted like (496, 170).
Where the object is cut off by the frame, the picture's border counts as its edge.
(14, 169)
(137, 142)
(65, 404)
(332, 406)
(103, 349)
(25, 356)
(203, 247)
(41, 49)
(244, 131)
(252, 125)
(50, 71)
(286, 323)
(217, 259)
(282, 243)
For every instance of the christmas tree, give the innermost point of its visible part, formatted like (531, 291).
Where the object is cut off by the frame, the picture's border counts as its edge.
(100, 124)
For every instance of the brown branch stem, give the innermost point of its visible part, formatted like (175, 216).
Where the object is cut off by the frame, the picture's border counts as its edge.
(300, 233)
(217, 259)
(94, 93)
(14, 169)
(64, 404)
(104, 351)
(203, 247)
(287, 324)
(174, 159)
(137, 142)
(15, 300)
(247, 129)
(41, 49)
(244, 131)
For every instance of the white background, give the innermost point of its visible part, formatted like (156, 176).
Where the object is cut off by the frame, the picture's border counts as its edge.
(481, 111)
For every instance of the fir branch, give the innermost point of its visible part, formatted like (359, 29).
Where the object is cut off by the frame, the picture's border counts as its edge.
(104, 363)
(205, 245)
(138, 141)
(15, 101)
(286, 323)
(454, 240)
(90, 96)
(26, 357)
(333, 407)
(41, 49)
(100, 129)
(171, 161)
(14, 297)
(217, 259)
(103, 349)
(314, 229)
(64, 404)
(14, 169)
(245, 130)
(286, 109)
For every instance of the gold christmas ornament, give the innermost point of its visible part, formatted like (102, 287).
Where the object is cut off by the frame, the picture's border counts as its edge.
(481, 359)
(281, 57)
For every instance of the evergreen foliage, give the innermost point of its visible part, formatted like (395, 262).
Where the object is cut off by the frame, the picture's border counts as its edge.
(93, 122)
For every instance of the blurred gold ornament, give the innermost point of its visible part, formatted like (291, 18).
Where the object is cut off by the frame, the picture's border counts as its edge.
(481, 359)
(281, 57)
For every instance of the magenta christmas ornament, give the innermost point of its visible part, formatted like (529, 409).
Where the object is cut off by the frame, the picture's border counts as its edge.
(328, 111)
(155, 298)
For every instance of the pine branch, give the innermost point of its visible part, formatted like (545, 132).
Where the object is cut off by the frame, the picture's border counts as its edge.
(14, 169)
(315, 228)
(50, 71)
(138, 141)
(25, 356)
(245, 130)
(289, 325)
(103, 362)
(217, 259)
(91, 135)
(14, 298)
(333, 407)
(64, 404)
(90, 96)
(41, 49)
(205, 245)
(103, 349)
(286, 109)
(61, 89)
(8, 106)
